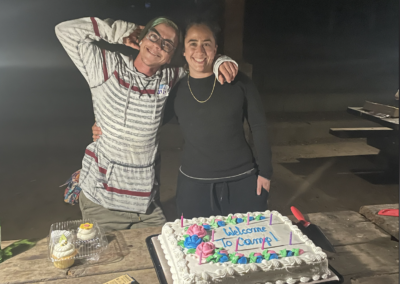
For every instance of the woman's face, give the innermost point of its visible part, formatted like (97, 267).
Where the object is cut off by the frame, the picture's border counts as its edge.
(200, 50)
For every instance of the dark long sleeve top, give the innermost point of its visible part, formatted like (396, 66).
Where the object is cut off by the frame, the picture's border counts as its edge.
(215, 144)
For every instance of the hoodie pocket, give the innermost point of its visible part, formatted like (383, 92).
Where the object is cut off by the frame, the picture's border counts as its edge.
(130, 180)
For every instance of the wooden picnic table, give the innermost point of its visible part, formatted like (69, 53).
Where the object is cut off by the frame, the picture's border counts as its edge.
(365, 255)
(386, 140)
(391, 122)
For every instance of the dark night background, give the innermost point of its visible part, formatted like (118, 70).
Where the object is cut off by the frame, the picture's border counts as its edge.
(307, 56)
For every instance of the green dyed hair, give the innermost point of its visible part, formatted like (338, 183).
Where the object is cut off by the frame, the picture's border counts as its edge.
(158, 21)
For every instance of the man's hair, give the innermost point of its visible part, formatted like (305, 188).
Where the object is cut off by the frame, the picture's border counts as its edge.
(158, 21)
(212, 25)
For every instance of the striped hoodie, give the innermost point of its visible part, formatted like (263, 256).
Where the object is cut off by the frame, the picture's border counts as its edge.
(118, 170)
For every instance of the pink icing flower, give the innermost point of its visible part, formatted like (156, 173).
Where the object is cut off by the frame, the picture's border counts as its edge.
(234, 217)
(217, 220)
(301, 251)
(257, 254)
(271, 251)
(196, 230)
(223, 251)
(239, 254)
(207, 249)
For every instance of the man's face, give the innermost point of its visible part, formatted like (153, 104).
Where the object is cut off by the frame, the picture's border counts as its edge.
(151, 52)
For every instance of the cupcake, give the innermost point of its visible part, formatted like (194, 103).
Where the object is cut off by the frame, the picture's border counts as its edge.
(86, 232)
(64, 254)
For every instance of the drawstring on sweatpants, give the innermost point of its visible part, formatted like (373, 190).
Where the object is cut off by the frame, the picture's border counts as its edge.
(221, 197)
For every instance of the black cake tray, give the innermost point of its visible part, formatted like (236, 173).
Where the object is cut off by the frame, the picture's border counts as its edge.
(167, 279)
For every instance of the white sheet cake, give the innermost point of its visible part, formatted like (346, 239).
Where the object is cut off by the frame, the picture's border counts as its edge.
(288, 255)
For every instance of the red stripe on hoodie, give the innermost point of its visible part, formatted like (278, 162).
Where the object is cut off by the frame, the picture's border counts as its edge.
(126, 84)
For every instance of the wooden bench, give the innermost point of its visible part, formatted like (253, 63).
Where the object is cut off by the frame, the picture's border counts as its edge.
(362, 132)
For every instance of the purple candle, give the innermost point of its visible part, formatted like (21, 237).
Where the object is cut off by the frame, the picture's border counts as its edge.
(263, 242)
(212, 235)
(201, 257)
(270, 220)
(182, 221)
(290, 239)
(248, 218)
(237, 244)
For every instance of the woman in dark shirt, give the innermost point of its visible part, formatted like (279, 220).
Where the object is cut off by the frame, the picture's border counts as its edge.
(218, 173)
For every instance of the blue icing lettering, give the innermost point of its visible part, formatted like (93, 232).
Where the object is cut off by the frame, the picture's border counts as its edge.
(257, 241)
(273, 236)
(237, 231)
(220, 240)
(233, 232)
(227, 233)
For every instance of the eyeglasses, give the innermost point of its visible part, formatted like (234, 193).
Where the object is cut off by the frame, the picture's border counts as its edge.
(166, 44)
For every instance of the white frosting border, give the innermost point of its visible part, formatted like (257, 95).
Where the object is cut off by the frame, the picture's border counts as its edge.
(180, 272)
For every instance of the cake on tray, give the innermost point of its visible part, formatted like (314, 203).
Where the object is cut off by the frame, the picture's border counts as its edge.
(258, 247)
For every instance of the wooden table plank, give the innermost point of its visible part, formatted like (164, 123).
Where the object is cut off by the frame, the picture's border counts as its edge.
(384, 279)
(380, 108)
(369, 259)
(363, 250)
(388, 122)
(146, 276)
(346, 227)
(127, 251)
(376, 279)
(387, 223)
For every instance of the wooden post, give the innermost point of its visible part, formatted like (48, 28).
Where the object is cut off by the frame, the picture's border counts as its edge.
(233, 28)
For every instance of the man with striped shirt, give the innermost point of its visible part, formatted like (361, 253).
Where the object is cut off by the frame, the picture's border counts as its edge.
(120, 171)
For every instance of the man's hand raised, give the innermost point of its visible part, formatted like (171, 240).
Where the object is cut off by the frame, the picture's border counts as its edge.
(132, 39)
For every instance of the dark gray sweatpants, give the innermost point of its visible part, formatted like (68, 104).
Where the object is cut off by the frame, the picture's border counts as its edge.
(196, 198)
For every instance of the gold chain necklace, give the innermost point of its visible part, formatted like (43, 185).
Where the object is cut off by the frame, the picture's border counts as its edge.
(193, 94)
